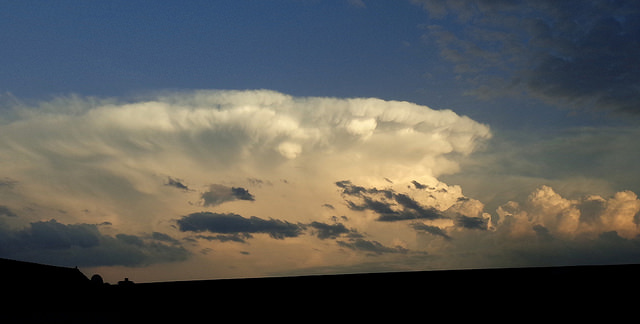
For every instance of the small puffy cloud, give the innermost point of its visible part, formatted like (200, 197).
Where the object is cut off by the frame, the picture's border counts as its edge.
(218, 194)
(177, 183)
(332, 231)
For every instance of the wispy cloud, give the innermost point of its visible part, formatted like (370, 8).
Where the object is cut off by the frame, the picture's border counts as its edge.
(572, 53)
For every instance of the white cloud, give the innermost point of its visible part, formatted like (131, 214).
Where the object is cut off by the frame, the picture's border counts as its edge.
(575, 162)
(362, 127)
(589, 216)
(223, 129)
(289, 150)
(110, 159)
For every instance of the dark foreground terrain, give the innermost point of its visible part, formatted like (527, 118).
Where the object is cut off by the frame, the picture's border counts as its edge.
(41, 293)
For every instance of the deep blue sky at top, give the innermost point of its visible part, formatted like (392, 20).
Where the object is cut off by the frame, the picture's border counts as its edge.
(304, 48)
(117, 47)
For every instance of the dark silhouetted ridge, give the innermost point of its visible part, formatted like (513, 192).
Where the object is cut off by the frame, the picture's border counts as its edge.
(467, 292)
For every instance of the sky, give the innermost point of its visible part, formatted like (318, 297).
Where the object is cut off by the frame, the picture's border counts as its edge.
(221, 139)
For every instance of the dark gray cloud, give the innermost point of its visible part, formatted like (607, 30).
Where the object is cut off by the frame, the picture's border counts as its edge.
(434, 230)
(177, 183)
(219, 194)
(413, 210)
(429, 213)
(233, 223)
(234, 237)
(575, 53)
(241, 193)
(542, 232)
(374, 247)
(388, 204)
(471, 222)
(381, 207)
(54, 235)
(336, 218)
(6, 211)
(82, 244)
(7, 183)
(163, 237)
(258, 182)
(235, 228)
(332, 231)
(349, 188)
(607, 248)
(419, 185)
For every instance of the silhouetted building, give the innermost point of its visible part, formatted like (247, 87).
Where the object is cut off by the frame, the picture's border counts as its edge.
(21, 275)
(125, 283)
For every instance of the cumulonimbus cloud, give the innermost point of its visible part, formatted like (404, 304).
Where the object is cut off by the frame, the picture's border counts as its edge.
(228, 127)
(107, 160)
(139, 165)
(120, 150)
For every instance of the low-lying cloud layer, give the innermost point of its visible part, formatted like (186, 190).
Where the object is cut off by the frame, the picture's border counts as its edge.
(84, 245)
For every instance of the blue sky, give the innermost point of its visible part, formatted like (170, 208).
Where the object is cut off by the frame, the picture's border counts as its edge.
(464, 123)
(305, 48)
